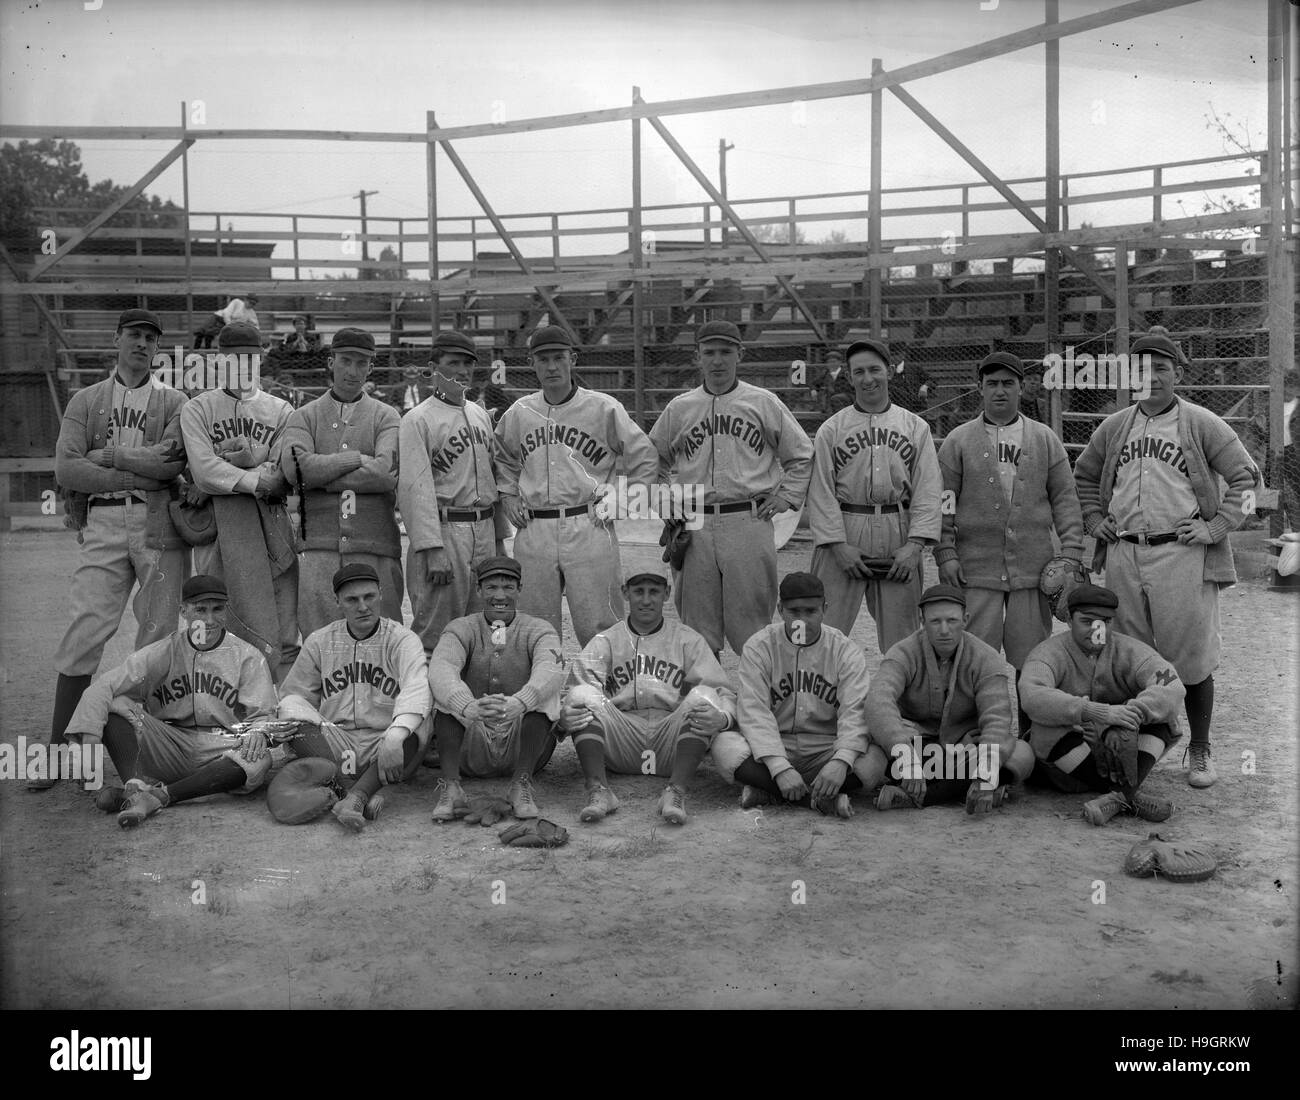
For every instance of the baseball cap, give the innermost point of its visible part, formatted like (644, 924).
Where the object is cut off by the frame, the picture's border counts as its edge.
(937, 592)
(204, 586)
(795, 586)
(552, 336)
(455, 341)
(1001, 360)
(642, 578)
(501, 566)
(240, 334)
(356, 571)
(1093, 599)
(1157, 344)
(719, 330)
(878, 346)
(139, 317)
(353, 339)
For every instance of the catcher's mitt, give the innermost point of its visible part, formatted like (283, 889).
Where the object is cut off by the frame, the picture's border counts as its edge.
(675, 539)
(537, 833)
(1155, 856)
(1115, 755)
(1059, 578)
(485, 810)
(304, 789)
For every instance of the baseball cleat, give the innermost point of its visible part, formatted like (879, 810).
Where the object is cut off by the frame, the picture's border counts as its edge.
(111, 799)
(672, 805)
(1150, 808)
(750, 797)
(1201, 772)
(893, 798)
(450, 795)
(40, 784)
(142, 802)
(980, 801)
(520, 797)
(601, 802)
(350, 811)
(1101, 810)
(374, 807)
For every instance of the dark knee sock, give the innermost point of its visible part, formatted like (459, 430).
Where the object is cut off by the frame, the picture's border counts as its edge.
(67, 694)
(690, 751)
(448, 735)
(591, 757)
(369, 782)
(851, 783)
(1145, 763)
(753, 774)
(1087, 773)
(944, 790)
(220, 775)
(1199, 705)
(122, 746)
(535, 738)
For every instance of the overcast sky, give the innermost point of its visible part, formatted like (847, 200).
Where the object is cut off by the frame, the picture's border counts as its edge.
(1133, 93)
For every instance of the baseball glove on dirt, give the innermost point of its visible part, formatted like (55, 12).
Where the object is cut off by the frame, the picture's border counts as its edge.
(537, 833)
(485, 810)
(1116, 757)
(675, 539)
(304, 789)
(1059, 578)
(1155, 856)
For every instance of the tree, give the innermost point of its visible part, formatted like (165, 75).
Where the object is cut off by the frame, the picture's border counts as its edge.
(1235, 138)
(36, 174)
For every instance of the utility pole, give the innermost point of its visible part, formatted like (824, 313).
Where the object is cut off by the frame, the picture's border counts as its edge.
(365, 250)
(722, 179)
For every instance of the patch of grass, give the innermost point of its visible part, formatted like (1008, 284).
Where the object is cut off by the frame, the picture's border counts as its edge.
(641, 847)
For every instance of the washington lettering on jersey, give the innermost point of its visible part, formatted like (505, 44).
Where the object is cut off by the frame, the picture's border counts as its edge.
(1009, 453)
(737, 427)
(359, 672)
(645, 664)
(128, 419)
(567, 436)
(237, 427)
(459, 443)
(807, 681)
(855, 444)
(201, 683)
(1150, 446)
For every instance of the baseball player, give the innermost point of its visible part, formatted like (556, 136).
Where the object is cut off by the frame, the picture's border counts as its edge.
(1103, 708)
(802, 731)
(941, 710)
(364, 681)
(873, 502)
(341, 452)
(163, 713)
(234, 440)
(1007, 484)
(650, 697)
(1148, 484)
(448, 493)
(746, 452)
(119, 452)
(496, 678)
(559, 449)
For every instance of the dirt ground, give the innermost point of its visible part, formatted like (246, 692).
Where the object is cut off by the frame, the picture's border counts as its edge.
(779, 907)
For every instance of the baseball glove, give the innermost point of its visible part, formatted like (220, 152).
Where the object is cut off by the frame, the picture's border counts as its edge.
(1155, 856)
(304, 789)
(1115, 755)
(1059, 578)
(537, 833)
(675, 539)
(485, 810)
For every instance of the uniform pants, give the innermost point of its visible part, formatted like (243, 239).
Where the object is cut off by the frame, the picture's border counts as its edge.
(807, 752)
(578, 558)
(317, 604)
(1014, 621)
(727, 587)
(641, 742)
(435, 605)
(354, 750)
(113, 558)
(488, 752)
(1061, 749)
(169, 754)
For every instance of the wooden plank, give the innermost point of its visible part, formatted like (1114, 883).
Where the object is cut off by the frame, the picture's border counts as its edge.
(38, 464)
(874, 275)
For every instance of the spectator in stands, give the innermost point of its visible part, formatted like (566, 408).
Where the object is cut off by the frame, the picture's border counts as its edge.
(301, 341)
(833, 390)
(282, 386)
(415, 386)
(1033, 398)
(493, 398)
(910, 388)
(1290, 479)
(237, 309)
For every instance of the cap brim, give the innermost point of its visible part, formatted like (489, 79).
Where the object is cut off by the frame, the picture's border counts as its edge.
(720, 340)
(1096, 612)
(206, 596)
(499, 573)
(548, 347)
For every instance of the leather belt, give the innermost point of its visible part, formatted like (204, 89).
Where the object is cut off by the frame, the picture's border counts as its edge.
(466, 515)
(727, 509)
(558, 513)
(1151, 540)
(106, 502)
(869, 509)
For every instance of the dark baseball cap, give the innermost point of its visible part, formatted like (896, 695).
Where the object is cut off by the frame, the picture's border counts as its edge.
(1093, 599)
(719, 330)
(939, 592)
(501, 566)
(878, 346)
(202, 587)
(356, 571)
(552, 336)
(1157, 344)
(139, 317)
(353, 339)
(797, 586)
(455, 341)
(1001, 360)
(240, 334)
(644, 578)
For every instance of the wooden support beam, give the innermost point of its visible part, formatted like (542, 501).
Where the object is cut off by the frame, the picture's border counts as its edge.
(431, 180)
(875, 276)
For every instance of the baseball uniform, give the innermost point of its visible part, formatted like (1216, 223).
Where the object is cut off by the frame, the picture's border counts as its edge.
(875, 485)
(557, 459)
(347, 512)
(732, 447)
